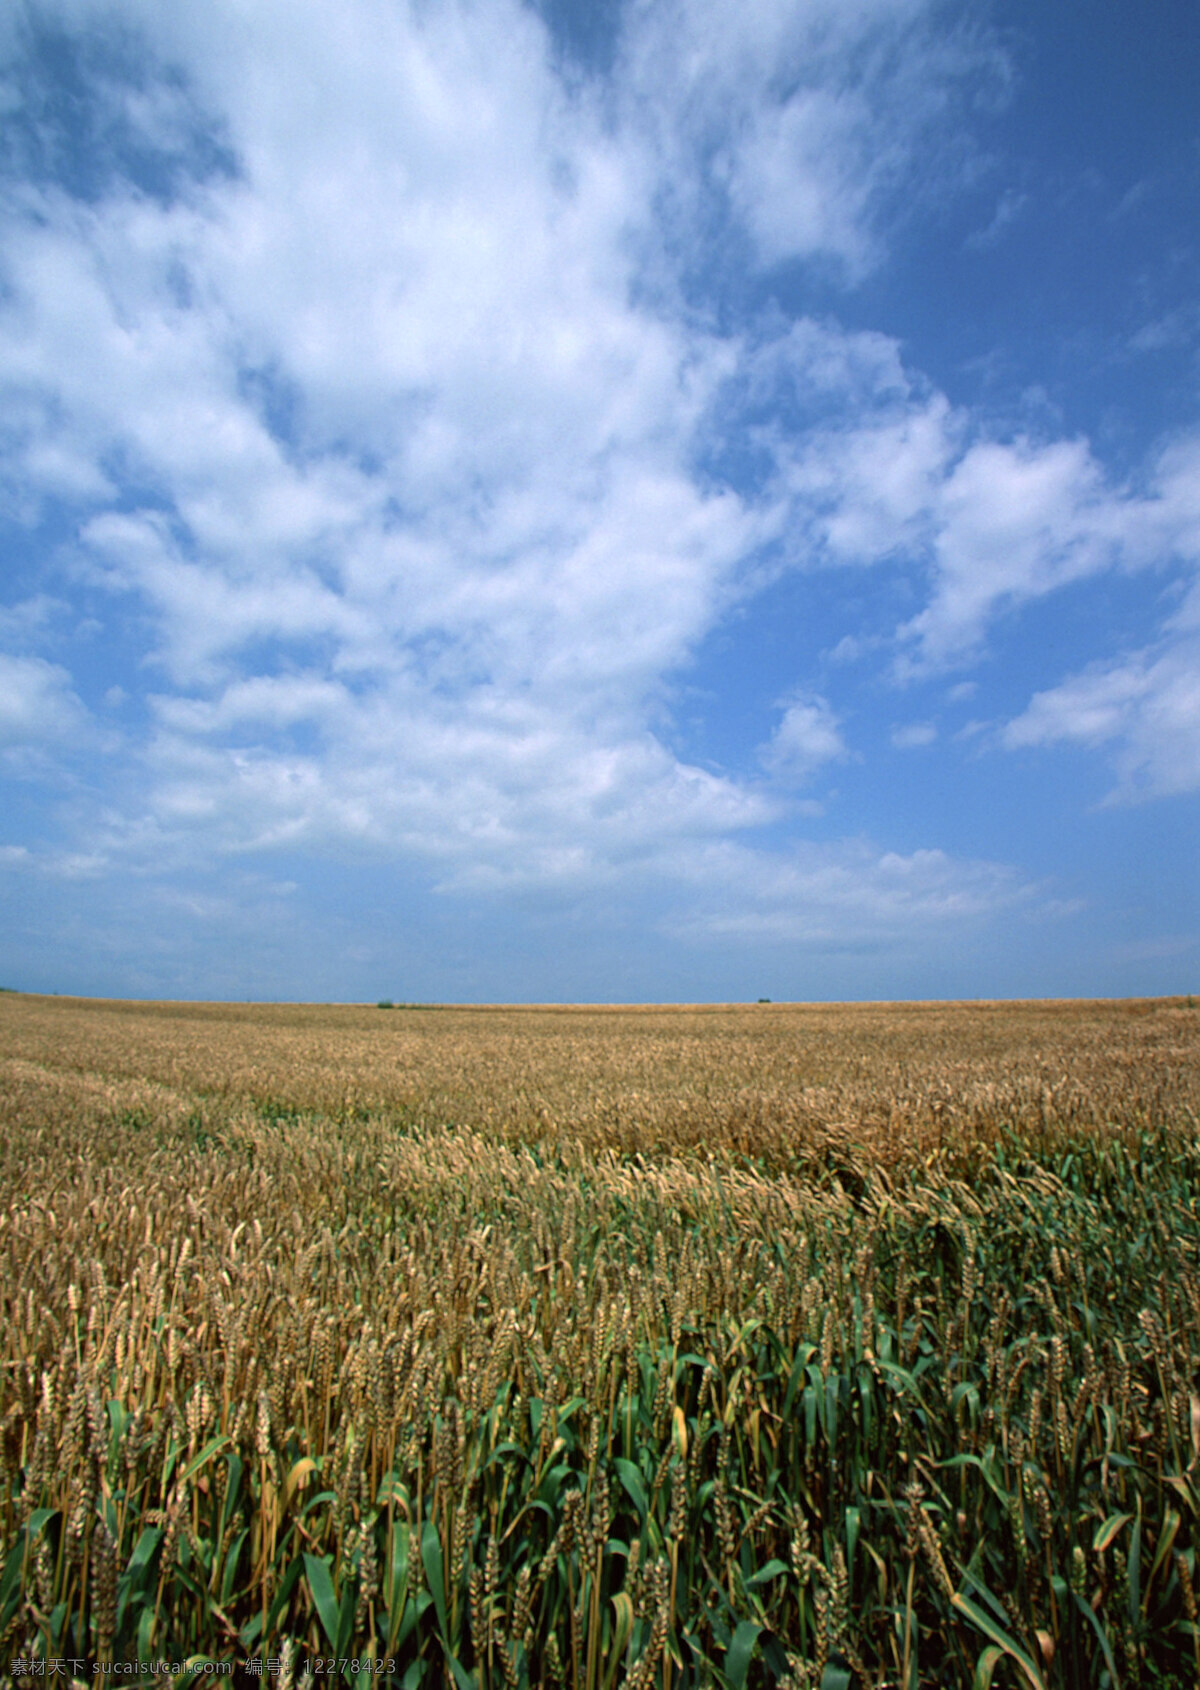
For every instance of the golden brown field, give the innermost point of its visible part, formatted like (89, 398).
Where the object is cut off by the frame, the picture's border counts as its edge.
(765, 1081)
(798, 1345)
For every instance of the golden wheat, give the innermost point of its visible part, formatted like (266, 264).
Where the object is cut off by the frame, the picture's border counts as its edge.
(601, 1347)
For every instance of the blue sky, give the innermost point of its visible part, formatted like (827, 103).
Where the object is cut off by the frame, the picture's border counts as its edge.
(672, 499)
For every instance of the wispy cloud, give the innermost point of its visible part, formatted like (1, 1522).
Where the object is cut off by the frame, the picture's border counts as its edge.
(1008, 208)
(913, 736)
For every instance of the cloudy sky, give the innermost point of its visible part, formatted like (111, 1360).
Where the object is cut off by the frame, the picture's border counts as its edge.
(635, 499)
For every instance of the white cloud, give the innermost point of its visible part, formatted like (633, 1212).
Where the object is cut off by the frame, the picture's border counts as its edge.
(875, 485)
(870, 465)
(422, 534)
(491, 794)
(1146, 708)
(806, 737)
(800, 179)
(804, 116)
(38, 707)
(842, 896)
(1014, 522)
(383, 435)
(28, 620)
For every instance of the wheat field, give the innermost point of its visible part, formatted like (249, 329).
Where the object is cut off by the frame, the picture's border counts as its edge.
(751, 1345)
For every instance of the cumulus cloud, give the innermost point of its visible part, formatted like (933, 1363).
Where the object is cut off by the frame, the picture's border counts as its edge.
(870, 464)
(415, 530)
(1019, 520)
(807, 736)
(1145, 708)
(1014, 522)
(414, 467)
(366, 369)
(1142, 707)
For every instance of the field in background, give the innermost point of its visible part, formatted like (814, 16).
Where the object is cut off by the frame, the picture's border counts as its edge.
(771, 1083)
(834, 1345)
